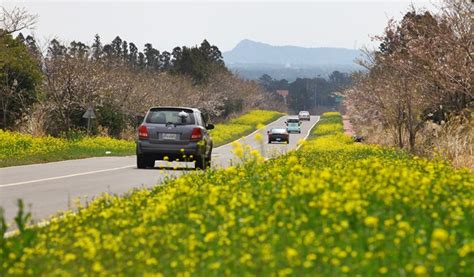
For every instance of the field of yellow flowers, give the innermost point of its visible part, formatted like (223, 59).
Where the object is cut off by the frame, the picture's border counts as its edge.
(333, 208)
(17, 148)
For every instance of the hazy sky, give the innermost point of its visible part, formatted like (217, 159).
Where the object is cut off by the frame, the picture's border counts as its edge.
(346, 24)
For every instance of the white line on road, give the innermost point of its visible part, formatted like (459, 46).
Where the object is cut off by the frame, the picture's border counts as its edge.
(307, 134)
(65, 176)
(251, 134)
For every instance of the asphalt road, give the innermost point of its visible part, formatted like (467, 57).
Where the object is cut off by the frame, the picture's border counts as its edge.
(53, 187)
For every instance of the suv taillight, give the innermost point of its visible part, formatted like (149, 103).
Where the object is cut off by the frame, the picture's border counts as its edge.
(196, 134)
(142, 132)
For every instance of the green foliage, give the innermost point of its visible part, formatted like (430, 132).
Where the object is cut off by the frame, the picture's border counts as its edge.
(200, 63)
(112, 119)
(19, 77)
(12, 249)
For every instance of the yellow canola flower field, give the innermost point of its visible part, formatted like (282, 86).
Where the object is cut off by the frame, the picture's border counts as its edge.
(17, 148)
(16, 144)
(242, 125)
(333, 208)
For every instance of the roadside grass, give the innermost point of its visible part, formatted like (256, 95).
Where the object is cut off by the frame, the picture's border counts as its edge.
(242, 126)
(333, 208)
(21, 149)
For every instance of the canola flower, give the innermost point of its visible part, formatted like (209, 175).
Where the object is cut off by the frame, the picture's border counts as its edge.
(16, 144)
(18, 148)
(333, 208)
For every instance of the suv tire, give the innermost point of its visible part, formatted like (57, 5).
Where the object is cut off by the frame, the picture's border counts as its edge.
(202, 163)
(144, 162)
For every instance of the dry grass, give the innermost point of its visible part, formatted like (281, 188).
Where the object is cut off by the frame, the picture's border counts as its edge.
(452, 141)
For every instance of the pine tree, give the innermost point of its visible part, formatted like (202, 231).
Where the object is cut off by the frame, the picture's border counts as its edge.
(117, 47)
(97, 48)
(125, 51)
(152, 57)
(56, 50)
(141, 60)
(165, 60)
(20, 38)
(133, 54)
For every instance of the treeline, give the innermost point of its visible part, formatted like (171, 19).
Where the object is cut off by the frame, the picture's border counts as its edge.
(48, 90)
(310, 94)
(199, 62)
(418, 88)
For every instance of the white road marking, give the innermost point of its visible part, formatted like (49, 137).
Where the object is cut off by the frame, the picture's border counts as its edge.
(251, 134)
(307, 134)
(65, 176)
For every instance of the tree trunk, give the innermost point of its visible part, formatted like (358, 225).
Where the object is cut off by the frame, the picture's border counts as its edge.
(410, 126)
(4, 122)
(5, 114)
(400, 138)
(412, 139)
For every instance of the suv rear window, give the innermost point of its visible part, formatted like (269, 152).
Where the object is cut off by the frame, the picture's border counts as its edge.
(170, 116)
(293, 120)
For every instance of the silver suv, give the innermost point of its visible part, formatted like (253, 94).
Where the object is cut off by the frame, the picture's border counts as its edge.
(174, 133)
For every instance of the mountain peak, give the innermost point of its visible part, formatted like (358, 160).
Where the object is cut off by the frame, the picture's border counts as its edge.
(253, 52)
(247, 43)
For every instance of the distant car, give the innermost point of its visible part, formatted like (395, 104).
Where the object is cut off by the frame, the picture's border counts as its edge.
(293, 127)
(304, 115)
(279, 135)
(170, 133)
(293, 120)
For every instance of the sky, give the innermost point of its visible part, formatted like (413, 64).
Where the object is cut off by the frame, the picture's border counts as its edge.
(347, 24)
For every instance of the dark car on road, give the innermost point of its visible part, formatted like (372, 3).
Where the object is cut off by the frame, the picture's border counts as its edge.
(279, 135)
(174, 133)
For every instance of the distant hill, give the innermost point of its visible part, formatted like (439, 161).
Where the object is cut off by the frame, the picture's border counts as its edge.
(250, 59)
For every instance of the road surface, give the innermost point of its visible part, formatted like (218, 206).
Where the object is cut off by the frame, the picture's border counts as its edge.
(53, 187)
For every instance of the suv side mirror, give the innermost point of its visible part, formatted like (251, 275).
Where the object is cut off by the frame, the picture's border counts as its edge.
(286, 122)
(209, 126)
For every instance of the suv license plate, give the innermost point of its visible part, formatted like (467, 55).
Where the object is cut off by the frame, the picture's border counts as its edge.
(278, 139)
(169, 136)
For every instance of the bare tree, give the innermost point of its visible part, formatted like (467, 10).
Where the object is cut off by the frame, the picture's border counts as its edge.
(15, 20)
(422, 72)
